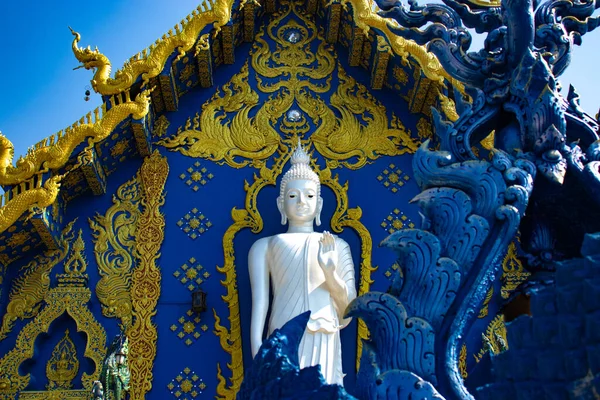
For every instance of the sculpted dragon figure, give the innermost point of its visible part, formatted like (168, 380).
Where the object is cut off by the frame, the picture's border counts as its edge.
(182, 40)
(56, 155)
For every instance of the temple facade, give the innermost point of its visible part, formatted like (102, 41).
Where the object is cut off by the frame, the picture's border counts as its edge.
(467, 191)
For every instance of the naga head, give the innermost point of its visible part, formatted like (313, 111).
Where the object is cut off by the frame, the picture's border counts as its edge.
(143, 100)
(86, 56)
(7, 152)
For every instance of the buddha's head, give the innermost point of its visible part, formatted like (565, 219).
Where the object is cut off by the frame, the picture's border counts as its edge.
(299, 198)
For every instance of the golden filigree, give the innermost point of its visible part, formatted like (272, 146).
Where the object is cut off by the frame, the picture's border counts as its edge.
(462, 362)
(495, 336)
(424, 129)
(36, 196)
(151, 62)
(513, 272)
(448, 108)
(56, 395)
(29, 289)
(486, 304)
(114, 238)
(160, 126)
(350, 138)
(237, 141)
(53, 153)
(63, 365)
(70, 296)
(146, 277)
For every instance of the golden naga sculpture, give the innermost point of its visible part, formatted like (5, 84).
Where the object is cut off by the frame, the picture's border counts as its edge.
(21, 203)
(365, 18)
(57, 154)
(148, 66)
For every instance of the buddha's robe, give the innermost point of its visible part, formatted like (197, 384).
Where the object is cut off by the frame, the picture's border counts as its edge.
(299, 285)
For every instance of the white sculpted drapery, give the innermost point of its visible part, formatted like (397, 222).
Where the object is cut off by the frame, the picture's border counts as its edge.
(308, 271)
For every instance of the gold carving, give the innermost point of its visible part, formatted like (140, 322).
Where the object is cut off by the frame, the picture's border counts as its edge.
(366, 19)
(29, 290)
(209, 136)
(462, 362)
(54, 152)
(70, 296)
(495, 336)
(38, 195)
(486, 303)
(114, 237)
(513, 273)
(63, 365)
(160, 126)
(151, 62)
(146, 277)
(56, 395)
(448, 107)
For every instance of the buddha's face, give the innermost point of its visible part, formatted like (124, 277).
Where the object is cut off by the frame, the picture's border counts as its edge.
(300, 202)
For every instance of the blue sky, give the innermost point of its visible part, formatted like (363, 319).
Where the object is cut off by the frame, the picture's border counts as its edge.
(40, 93)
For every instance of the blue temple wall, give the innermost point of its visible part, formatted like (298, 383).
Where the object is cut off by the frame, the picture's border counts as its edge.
(187, 345)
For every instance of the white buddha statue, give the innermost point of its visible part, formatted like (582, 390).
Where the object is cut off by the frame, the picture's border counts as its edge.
(308, 271)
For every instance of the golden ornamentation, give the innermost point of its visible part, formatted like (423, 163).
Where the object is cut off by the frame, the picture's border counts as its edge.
(53, 153)
(62, 367)
(194, 223)
(424, 129)
(495, 335)
(186, 385)
(212, 137)
(119, 148)
(188, 327)
(513, 273)
(366, 19)
(393, 178)
(204, 61)
(150, 63)
(462, 362)
(56, 395)
(36, 195)
(379, 74)
(486, 303)
(160, 126)
(191, 273)
(114, 237)
(70, 296)
(448, 108)
(196, 176)
(146, 277)
(30, 289)
(488, 142)
(395, 221)
(400, 75)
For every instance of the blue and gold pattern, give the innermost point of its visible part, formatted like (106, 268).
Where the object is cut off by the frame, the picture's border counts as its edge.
(196, 176)
(191, 274)
(186, 385)
(194, 223)
(395, 221)
(393, 178)
(189, 327)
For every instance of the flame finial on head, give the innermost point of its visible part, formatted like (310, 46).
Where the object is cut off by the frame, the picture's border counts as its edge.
(300, 169)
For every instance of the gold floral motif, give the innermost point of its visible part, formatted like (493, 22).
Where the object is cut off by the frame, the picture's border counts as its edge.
(400, 75)
(29, 290)
(160, 126)
(186, 72)
(56, 395)
(63, 365)
(51, 154)
(70, 296)
(114, 237)
(119, 148)
(146, 277)
(424, 129)
(150, 63)
(513, 272)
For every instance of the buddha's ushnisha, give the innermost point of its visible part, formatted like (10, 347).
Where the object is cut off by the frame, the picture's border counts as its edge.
(308, 271)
